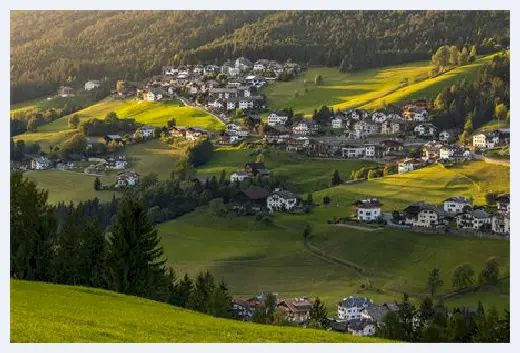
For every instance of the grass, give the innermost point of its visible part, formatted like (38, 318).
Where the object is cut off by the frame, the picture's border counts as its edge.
(42, 312)
(431, 184)
(301, 173)
(153, 157)
(70, 186)
(493, 125)
(369, 89)
(82, 99)
(150, 113)
(45, 139)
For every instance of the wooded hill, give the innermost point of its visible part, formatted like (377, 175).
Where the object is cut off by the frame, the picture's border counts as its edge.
(50, 48)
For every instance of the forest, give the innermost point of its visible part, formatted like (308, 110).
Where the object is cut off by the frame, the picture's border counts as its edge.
(51, 48)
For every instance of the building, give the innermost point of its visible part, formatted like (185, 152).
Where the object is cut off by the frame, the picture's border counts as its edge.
(237, 130)
(477, 219)
(391, 127)
(145, 131)
(276, 120)
(377, 313)
(379, 117)
(363, 128)
(425, 215)
(227, 139)
(223, 92)
(257, 81)
(244, 309)
(301, 129)
(254, 169)
(282, 200)
(130, 178)
(252, 198)
(243, 64)
(428, 130)
(239, 175)
(503, 202)
(153, 94)
(117, 163)
(456, 205)
(454, 153)
(368, 210)
(91, 84)
(444, 136)
(65, 91)
(178, 131)
(408, 164)
(337, 123)
(431, 150)
(500, 223)
(297, 310)
(361, 327)
(350, 308)
(373, 151)
(353, 151)
(486, 140)
(40, 163)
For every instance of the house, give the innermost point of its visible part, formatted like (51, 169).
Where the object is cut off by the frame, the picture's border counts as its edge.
(243, 91)
(409, 164)
(281, 200)
(391, 146)
(145, 131)
(297, 143)
(261, 65)
(239, 175)
(337, 123)
(477, 219)
(40, 163)
(252, 197)
(361, 327)
(352, 151)
(211, 70)
(243, 102)
(170, 70)
(444, 135)
(486, 140)
(117, 163)
(368, 210)
(297, 310)
(113, 138)
(243, 64)
(178, 131)
(425, 130)
(414, 113)
(275, 120)
(456, 205)
(227, 139)
(91, 84)
(245, 309)
(233, 129)
(379, 117)
(195, 132)
(93, 142)
(130, 178)
(254, 169)
(425, 215)
(153, 94)
(454, 153)
(257, 81)
(373, 151)
(301, 129)
(350, 308)
(65, 91)
(126, 89)
(377, 313)
(500, 223)
(363, 128)
(223, 92)
(391, 127)
(503, 204)
(431, 150)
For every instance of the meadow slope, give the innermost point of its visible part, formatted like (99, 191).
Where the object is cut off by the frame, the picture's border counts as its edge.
(42, 312)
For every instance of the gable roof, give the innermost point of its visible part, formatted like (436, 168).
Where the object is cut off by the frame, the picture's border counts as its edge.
(417, 207)
(285, 194)
(255, 192)
(354, 302)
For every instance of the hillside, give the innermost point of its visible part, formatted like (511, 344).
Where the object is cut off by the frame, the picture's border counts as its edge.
(50, 48)
(43, 312)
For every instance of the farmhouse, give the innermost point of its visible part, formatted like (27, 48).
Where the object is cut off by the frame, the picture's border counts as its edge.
(275, 120)
(486, 140)
(350, 308)
(377, 313)
(91, 84)
(281, 200)
(454, 153)
(252, 197)
(368, 210)
(239, 175)
(65, 91)
(477, 219)
(227, 139)
(361, 327)
(297, 310)
(457, 204)
(425, 130)
(178, 131)
(409, 164)
(40, 163)
(244, 309)
(145, 131)
(503, 204)
(352, 151)
(500, 223)
(195, 132)
(130, 178)
(425, 215)
(254, 169)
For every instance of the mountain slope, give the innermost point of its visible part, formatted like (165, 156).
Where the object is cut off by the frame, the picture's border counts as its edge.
(42, 312)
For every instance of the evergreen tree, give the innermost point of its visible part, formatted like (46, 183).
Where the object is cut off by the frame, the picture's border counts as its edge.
(434, 281)
(183, 292)
(319, 313)
(134, 256)
(202, 292)
(336, 180)
(91, 266)
(97, 184)
(220, 302)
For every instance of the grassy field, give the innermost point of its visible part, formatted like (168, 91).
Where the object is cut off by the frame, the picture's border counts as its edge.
(54, 102)
(153, 157)
(46, 139)
(151, 113)
(42, 312)
(301, 173)
(70, 186)
(370, 89)
(431, 184)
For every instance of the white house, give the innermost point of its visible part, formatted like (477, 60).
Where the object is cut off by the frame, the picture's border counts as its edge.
(425, 130)
(152, 96)
(487, 140)
(473, 219)
(170, 70)
(361, 327)
(500, 223)
(145, 131)
(91, 84)
(127, 179)
(455, 205)
(301, 129)
(350, 308)
(503, 204)
(337, 123)
(368, 210)
(40, 163)
(409, 164)
(257, 81)
(425, 215)
(352, 151)
(238, 175)
(281, 200)
(454, 152)
(444, 135)
(390, 127)
(275, 120)
(379, 117)
(233, 129)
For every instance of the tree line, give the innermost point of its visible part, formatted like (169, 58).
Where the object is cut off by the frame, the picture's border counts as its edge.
(51, 48)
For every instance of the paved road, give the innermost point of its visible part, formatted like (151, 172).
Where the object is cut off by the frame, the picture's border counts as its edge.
(185, 101)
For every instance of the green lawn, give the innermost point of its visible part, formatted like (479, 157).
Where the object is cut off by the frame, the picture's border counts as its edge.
(153, 157)
(431, 184)
(369, 89)
(301, 173)
(151, 113)
(46, 139)
(42, 313)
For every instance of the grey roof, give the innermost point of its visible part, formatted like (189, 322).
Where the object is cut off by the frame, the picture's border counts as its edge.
(377, 312)
(419, 206)
(478, 213)
(355, 302)
(359, 324)
(460, 199)
(114, 137)
(285, 194)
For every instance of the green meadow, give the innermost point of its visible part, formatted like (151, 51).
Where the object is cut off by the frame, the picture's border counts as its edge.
(301, 173)
(48, 313)
(82, 99)
(369, 89)
(150, 113)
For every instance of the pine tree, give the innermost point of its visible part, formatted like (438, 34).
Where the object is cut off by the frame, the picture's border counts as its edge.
(319, 313)
(202, 292)
(183, 292)
(336, 180)
(97, 184)
(65, 262)
(220, 302)
(434, 281)
(133, 261)
(91, 266)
